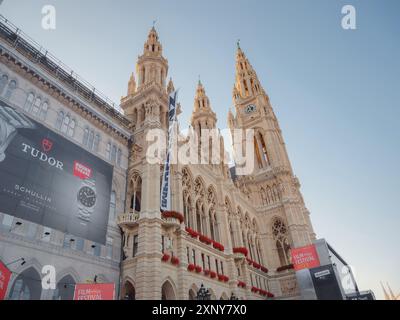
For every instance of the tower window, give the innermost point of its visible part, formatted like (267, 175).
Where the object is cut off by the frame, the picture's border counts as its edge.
(135, 244)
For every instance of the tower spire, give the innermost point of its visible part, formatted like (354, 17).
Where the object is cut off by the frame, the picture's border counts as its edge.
(151, 66)
(246, 80)
(131, 85)
(152, 45)
(202, 112)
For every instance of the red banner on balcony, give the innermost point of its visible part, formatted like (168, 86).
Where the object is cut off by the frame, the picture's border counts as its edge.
(5, 275)
(94, 291)
(305, 257)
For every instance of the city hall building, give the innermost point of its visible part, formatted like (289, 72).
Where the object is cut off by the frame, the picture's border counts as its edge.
(77, 191)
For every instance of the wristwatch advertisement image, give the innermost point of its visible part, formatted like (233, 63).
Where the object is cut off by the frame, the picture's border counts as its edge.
(50, 180)
(86, 199)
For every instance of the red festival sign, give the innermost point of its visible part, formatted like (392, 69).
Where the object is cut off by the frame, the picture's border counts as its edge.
(305, 257)
(94, 291)
(5, 276)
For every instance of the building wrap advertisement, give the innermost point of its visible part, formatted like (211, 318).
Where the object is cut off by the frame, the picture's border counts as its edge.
(46, 179)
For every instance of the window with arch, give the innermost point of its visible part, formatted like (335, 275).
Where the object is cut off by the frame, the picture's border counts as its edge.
(187, 210)
(65, 123)
(119, 156)
(113, 153)
(212, 216)
(108, 150)
(261, 150)
(36, 105)
(91, 139)
(199, 216)
(12, 85)
(65, 289)
(29, 101)
(3, 82)
(27, 286)
(135, 194)
(43, 110)
(280, 234)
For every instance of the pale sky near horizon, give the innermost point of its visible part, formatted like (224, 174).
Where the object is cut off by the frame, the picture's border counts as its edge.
(335, 92)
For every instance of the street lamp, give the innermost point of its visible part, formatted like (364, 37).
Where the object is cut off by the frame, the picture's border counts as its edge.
(203, 294)
(233, 297)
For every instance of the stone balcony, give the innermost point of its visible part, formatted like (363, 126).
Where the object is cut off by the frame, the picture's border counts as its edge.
(171, 222)
(129, 219)
(172, 219)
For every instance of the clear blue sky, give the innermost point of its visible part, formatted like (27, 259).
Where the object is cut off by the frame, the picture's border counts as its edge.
(336, 93)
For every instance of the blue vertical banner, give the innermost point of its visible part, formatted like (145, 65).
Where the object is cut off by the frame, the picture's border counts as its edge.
(165, 202)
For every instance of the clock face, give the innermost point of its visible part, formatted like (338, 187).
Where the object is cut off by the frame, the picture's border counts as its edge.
(250, 108)
(87, 197)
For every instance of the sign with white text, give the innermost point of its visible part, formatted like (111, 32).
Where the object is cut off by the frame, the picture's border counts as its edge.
(51, 181)
(94, 291)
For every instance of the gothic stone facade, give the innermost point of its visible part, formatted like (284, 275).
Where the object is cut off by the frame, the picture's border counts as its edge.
(257, 218)
(237, 231)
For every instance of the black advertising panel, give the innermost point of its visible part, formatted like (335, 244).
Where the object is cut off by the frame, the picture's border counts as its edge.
(325, 283)
(46, 179)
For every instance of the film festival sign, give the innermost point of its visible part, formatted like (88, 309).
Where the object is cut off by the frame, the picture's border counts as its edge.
(48, 180)
(305, 257)
(96, 291)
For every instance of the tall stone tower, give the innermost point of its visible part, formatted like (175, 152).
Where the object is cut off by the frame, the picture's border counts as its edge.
(146, 105)
(231, 233)
(272, 186)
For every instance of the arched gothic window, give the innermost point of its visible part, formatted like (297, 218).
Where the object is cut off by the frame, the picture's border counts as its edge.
(65, 289)
(135, 189)
(280, 234)
(27, 286)
(29, 101)
(3, 82)
(65, 123)
(10, 89)
(199, 217)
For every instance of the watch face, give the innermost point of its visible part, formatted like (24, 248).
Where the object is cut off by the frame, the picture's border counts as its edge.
(87, 196)
(250, 108)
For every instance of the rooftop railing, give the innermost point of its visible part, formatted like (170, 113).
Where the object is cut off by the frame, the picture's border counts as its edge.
(35, 52)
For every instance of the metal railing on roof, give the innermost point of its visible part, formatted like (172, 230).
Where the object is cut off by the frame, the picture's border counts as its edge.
(35, 52)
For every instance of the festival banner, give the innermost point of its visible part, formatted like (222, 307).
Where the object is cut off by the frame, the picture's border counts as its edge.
(305, 257)
(94, 291)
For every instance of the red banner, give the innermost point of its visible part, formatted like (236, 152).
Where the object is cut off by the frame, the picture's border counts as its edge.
(94, 291)
(5, 276)
(305, 257)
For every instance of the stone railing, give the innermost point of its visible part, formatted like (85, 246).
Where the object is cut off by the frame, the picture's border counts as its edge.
(127, 219)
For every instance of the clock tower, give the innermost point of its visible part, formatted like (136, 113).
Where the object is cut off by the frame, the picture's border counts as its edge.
(272, 184)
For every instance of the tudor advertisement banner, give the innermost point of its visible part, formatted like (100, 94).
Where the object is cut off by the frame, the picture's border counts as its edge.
(46, 179)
